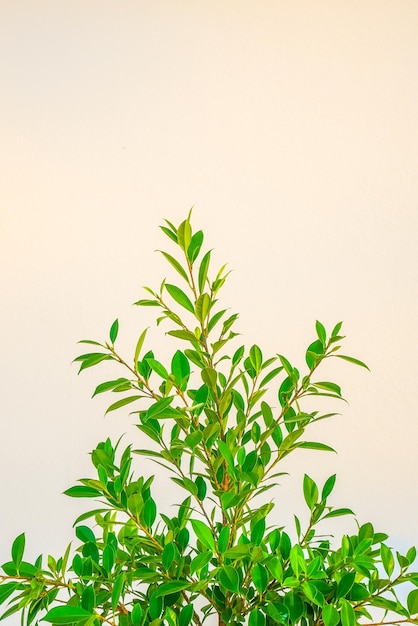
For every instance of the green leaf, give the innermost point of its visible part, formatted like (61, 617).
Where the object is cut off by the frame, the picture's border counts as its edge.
(94, 358)
(330, 615)
(345, 584)
(329, 387)
(184, 235)
(256, 618)
(177, 266)
(321, 332)
(66, 615)
(110, 385)
(275, 568)
(185, 615)
(159, 407)
(180, 297)
(310, 491)
(135, 504)
(258, 530)
(278, 612)
(171, 587)
(117, 590)
(183, 334)
(348, 617)
(139, 345)
(88, 598)
(286, 364)
(200, 561)
(272, 374)
(203, 271)
(194, 246)
(351, 359)
(237, 552)
(338, 513)
(313, 594)
(209, 377)
(121, 403)
(147, 303)
(314, 351)
(18, 548)
(85, 534)
(328, 487)
(172, 234)
(315, 445)
(204, 534)
(229, 578)
(180, 368)
(256, 358)
(114, 329)
(226, 454)
(150, 512)
(387, 559)
(158, 368)
(193, 439)
(412, 602)
(202, 307)
(6, 590)
(260, 577)
(81, 491)
(137, 614)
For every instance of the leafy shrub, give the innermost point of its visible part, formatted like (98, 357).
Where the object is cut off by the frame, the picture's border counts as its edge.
(210, 426)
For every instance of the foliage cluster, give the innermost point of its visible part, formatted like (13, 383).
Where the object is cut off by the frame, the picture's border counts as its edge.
(209, 425)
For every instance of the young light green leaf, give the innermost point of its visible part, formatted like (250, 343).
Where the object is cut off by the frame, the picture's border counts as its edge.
(184, 235)
(202, 307)
(332, 387)
(310, 491)
(351, 359)
(139, 345)
(209, 377)
(177, 266)
(203, 271)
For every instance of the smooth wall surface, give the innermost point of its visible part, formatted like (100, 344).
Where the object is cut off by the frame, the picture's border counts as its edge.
(291, 127)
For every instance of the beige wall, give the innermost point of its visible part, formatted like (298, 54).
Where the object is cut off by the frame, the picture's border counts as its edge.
(292, 128)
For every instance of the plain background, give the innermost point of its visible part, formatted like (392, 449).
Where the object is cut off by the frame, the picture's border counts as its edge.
(291, 127)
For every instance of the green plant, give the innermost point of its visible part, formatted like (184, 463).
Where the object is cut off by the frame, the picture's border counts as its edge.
(210, 426)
